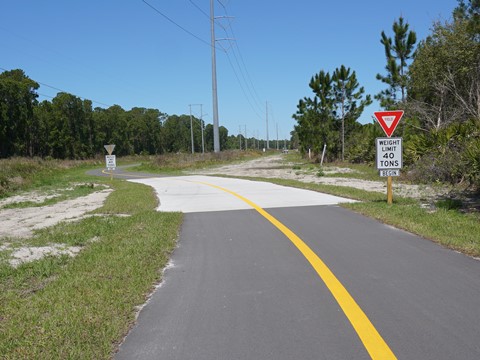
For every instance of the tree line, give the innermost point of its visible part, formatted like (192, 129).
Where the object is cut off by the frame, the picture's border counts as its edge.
(69, 127)
(435, 81)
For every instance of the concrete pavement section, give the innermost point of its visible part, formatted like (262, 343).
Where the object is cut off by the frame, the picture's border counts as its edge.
(191, 194)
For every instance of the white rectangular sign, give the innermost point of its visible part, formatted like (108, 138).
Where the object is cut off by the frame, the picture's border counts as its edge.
(389, 153)
(394, 172)
(111, 162)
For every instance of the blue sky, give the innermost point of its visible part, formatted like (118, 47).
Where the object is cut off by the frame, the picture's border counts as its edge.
(123, 52)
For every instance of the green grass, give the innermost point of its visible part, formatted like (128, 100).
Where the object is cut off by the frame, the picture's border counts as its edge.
(81, 307)
(449, 228)
(351, 193)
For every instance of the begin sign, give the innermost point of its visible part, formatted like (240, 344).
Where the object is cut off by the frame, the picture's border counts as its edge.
(389, 153)
(385, 173)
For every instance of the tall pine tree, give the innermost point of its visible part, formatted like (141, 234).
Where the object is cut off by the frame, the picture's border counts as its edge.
(397, 52)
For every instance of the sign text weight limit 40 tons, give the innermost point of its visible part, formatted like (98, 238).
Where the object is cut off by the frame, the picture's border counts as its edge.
(389, 153)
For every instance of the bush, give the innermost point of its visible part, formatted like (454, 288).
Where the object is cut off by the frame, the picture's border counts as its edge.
(449, 155)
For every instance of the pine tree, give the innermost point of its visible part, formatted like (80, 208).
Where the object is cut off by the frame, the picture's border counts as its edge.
(397, 52)
(346, 95)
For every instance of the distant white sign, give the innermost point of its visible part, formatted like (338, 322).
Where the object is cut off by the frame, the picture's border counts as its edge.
(389, 153)
(111, 162)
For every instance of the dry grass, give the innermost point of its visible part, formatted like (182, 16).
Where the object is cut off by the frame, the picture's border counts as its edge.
(22, 173)
(184, 161)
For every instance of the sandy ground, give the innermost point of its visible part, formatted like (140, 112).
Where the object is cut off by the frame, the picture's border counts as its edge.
(18, 224)
(274, 167)
(22, 222)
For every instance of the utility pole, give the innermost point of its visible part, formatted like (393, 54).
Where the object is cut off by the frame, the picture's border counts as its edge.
(343, 124)
(191, 127)
(240, 136)
(216, 140)
(266, 107)
(246, 143)
(277, 135)
(201, 124)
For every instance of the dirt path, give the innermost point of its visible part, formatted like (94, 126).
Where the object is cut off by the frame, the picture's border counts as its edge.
(275, 167)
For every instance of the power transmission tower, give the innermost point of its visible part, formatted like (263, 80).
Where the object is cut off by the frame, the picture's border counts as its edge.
(216, 140)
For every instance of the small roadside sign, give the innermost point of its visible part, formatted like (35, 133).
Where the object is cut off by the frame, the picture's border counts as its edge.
(388, 120)
(385, 173)
(389, 153)
(111, 162)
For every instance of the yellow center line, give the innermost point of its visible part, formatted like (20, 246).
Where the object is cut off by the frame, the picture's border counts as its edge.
(368, 334)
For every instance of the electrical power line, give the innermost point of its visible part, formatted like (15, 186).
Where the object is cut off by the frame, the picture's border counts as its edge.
(200, 9)
(61, 90)
(242, 67)
(240, 64)
(241, 87)
(250, 92)
(176, 24)
(57, 53)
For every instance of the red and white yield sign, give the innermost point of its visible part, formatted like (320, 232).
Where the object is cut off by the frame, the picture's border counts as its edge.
(388, 120)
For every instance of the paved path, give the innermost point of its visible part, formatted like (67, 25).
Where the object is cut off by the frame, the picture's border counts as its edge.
(290, 278)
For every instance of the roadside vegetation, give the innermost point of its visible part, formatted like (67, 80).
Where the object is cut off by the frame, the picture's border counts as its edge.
(62, 307)
(177, 163)
(435, 81)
